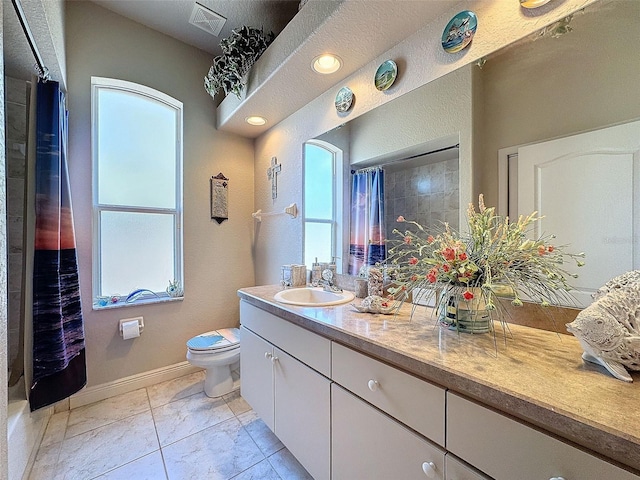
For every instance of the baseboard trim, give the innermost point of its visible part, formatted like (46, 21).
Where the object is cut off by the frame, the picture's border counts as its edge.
(128, 384)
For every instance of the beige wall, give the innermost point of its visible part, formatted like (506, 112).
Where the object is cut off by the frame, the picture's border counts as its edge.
(217, 258)
(554, 87)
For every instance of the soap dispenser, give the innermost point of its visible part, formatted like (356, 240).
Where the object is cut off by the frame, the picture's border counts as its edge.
(316, 273)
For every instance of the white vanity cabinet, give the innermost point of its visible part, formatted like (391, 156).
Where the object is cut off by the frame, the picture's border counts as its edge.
(506, 449)
(455, 469)
(279, 380)
(366, 443)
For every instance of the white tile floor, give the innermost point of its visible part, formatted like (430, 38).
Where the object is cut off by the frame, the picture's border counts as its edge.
(169, 431)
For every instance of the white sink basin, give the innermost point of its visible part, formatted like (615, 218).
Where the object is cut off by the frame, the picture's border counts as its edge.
(313, 297)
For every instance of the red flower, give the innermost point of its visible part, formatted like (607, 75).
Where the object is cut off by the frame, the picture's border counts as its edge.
(467, 295)
(414, 278)
(400, 219)
(407, 240)
(431, 278)
(449, 253)
(413, 261)
(446, 268)
(550, 248)
(462, 256)
(430, 239)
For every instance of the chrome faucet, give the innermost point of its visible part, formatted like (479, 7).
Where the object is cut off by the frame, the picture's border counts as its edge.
(327, 282)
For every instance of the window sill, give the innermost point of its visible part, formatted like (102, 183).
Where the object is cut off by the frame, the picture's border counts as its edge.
(136, 303)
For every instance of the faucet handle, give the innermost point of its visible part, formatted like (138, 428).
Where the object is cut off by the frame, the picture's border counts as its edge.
(327, 275)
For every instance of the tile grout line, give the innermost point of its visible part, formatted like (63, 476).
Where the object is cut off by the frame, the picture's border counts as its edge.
(153, 418)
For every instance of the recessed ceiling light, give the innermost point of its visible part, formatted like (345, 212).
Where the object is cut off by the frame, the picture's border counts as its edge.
(326, 63)
(255, 120)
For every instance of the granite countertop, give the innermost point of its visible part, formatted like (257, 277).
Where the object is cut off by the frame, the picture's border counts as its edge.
(534, 375)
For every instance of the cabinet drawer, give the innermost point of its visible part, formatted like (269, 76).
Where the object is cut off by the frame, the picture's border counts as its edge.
(456, 469)
(506, 449)
(414, 402)
(306, 346)
(367, 444)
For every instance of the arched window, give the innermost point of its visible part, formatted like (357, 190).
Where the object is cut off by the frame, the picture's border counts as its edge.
(323, 191)
(137, 189)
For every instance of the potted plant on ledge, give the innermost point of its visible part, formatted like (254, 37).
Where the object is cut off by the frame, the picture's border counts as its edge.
(239, 52)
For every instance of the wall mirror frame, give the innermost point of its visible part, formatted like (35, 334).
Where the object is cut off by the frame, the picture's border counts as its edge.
(568, 78)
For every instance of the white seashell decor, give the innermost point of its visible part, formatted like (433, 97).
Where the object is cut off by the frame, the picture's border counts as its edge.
(620, 281)
(609, 329)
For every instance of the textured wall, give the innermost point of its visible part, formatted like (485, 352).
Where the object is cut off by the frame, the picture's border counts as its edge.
(217, 258)
(16, 137)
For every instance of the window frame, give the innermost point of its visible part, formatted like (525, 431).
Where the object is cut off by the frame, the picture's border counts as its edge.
(103, 83)
(337, 191)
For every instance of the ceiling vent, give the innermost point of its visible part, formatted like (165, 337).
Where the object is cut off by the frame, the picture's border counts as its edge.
(207, 20)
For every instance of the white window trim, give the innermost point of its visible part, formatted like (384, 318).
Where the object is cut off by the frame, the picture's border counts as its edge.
(337, 191)
(98, 83)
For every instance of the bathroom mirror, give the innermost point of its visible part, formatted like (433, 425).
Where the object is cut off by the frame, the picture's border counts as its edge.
(574, 76)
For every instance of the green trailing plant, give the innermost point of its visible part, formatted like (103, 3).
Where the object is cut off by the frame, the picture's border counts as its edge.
(240, 50)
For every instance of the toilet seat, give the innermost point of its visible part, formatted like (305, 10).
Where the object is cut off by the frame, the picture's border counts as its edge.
(220, 341)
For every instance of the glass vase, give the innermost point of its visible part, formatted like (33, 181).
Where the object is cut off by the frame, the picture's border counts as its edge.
(462, 315)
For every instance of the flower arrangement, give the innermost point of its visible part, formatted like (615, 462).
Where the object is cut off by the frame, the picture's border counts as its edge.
(494, 259)
(240, 50)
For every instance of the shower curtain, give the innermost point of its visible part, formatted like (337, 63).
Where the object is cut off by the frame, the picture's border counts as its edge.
(59, 368)
(367, 245)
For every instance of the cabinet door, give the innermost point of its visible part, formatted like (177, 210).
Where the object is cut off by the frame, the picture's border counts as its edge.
(256, 372)
(506, 449)
(366, 443)
(303, 409)
(458, 470)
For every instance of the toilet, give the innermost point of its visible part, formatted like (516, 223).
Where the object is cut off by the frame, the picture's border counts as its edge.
(218, 352)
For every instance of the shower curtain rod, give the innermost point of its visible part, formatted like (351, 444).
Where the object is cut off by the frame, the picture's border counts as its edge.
(457, 145)
(41, 70)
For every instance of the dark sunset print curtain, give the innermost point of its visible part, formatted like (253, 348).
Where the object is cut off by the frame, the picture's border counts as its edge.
(59, 368)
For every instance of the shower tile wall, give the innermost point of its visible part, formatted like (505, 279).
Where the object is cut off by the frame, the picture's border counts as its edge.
(427, 194)
(16, 137)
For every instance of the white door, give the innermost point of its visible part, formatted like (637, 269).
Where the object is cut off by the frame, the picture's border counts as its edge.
(367, 444)
(303, 413)
(587, 187)
(256, 372)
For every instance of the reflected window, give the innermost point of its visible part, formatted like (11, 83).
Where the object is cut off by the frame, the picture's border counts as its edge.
(322, 178)
(137, 184)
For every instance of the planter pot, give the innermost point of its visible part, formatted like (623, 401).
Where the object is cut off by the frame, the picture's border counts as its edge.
(466, 316)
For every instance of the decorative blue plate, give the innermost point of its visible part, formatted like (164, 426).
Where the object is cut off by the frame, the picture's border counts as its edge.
(344, 99)
(386, 75)
(459, 31)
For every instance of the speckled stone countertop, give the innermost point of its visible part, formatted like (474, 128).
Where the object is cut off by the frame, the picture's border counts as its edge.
(534, 375)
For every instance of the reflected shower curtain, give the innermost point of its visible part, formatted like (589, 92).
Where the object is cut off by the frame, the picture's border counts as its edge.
(59, 368)
(367, 244)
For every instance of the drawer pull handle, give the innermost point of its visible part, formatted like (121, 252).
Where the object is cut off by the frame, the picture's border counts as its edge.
(268, 355)
(429, 469)
(373, 385)
(274, 359)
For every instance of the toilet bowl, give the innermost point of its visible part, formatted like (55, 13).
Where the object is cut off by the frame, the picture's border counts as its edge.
(218, 352)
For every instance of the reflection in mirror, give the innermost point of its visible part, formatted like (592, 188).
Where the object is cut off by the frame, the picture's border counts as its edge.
(556, 84)
(322, 201)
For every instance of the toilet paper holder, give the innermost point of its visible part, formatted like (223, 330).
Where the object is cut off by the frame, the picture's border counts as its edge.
(128, 321)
